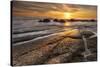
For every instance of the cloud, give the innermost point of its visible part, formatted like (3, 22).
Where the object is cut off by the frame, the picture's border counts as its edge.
(45, 8)
(42, 7)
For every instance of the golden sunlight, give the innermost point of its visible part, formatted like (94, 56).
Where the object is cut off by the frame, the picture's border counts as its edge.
(67, 15)
(67, 23)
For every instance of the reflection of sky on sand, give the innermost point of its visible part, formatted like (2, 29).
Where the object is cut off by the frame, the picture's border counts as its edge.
(72, 32)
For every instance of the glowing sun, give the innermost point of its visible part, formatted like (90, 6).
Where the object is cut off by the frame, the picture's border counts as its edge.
(67, 15)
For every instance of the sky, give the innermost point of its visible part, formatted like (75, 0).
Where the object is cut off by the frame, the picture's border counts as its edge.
(53, 10)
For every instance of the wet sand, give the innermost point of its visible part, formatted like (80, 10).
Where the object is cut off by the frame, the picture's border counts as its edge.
(34, 45)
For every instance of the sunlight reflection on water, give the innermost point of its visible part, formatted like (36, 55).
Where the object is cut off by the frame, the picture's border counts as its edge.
(67, 24)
